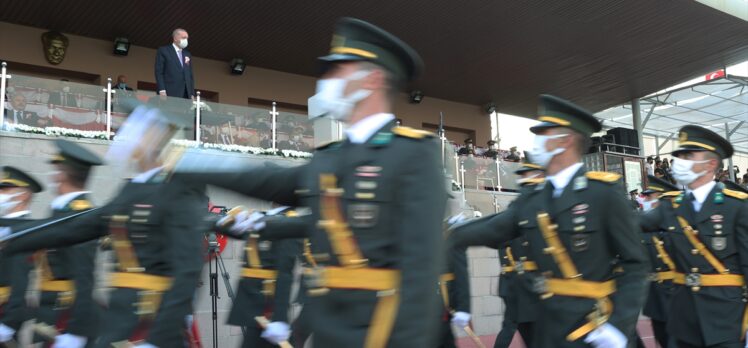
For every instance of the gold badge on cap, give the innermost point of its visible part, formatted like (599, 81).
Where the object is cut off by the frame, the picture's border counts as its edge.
(683, 137)
(337, 40)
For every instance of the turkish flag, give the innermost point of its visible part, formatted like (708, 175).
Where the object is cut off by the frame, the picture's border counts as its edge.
(715, 75)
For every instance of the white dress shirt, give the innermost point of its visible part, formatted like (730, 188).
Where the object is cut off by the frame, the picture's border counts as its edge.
(61, 201)
(179, 54)
(361, 131)
(700, 193)
(562, 178)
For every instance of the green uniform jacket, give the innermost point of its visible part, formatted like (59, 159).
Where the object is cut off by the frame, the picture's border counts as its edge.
(14, 273)
(596, 227)
(74, 263)
(711, 315)
(660, 292)
(166, 228)
(393, 200)
(279, 255)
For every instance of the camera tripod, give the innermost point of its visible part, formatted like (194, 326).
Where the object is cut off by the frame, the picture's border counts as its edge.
(216, 265)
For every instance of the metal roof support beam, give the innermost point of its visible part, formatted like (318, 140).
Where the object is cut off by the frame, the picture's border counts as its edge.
(728, 133)
(638, 126)
(649, 114)
(659, 147)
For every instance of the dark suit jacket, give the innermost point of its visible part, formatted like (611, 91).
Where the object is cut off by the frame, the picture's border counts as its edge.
(171, 76)
(62, 98)
(28, 118)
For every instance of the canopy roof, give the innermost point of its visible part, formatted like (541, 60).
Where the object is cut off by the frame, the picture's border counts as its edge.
(719, 104)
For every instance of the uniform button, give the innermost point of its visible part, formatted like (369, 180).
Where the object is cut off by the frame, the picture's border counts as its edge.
(694, 270)
(717, 227)
(694, 251)
(525, 243)
(717, 232)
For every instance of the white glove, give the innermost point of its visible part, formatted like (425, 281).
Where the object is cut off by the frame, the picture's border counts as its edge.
(6, 333)
(456, 219)
(276, 332)
(606, 336)
(244, 222)
(4, 232)
(461, 319)
(144, 345)
(69, 341)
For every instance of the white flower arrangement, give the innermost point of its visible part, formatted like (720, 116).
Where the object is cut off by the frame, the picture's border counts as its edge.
(203, 106)
(68, 132)
(57, 131)
(243, 149)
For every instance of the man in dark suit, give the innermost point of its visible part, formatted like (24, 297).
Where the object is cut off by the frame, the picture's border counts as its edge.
(174, 68)
(707, 226)
(19, 115)
(577, 225)
(63, 96)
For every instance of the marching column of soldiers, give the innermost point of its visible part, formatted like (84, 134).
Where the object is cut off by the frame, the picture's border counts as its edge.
(383, 258)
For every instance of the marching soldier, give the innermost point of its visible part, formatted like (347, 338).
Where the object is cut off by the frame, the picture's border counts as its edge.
(706, 226)
(577, 225)
(454, 284)
(377, 199)
(16, 191)
(267, 277)
(66, 274)
(662, 269)
(517, 272)
(156, 225)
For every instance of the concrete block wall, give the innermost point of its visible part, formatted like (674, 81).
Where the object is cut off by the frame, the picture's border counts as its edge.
(31, 152)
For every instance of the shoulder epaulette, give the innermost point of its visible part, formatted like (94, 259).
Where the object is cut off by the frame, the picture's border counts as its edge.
(534, 181)
(603, 176)
(412, 132)
(735, 194)
(80, 204)
(670, 194)
(329, 144)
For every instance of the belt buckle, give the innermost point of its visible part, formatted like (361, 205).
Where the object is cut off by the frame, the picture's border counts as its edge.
(693, 280)
(519, 267)
(315, 282)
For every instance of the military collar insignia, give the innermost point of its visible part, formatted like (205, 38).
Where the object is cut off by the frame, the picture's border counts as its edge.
(679, 199)
(580, 183)
(381, 138)
(719, 197)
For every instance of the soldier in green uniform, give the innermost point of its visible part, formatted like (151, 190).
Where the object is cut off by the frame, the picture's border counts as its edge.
(577, 225)
(66, 274)
(266, 281)
(707, 226)
(377, 199)
(454, 288)
(662, 269)
(16, 191)
(518, 271)
(156, 225)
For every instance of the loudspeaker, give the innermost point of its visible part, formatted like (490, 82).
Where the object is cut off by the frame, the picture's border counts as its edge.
(625, 136)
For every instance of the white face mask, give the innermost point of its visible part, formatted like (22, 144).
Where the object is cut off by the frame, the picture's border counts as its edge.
(183, 43)
(539, 155)
(683, 171)
(6, 202)
(330, 101)
(648, 205)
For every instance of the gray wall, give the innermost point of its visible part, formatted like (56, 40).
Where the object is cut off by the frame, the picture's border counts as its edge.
(30, 152)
